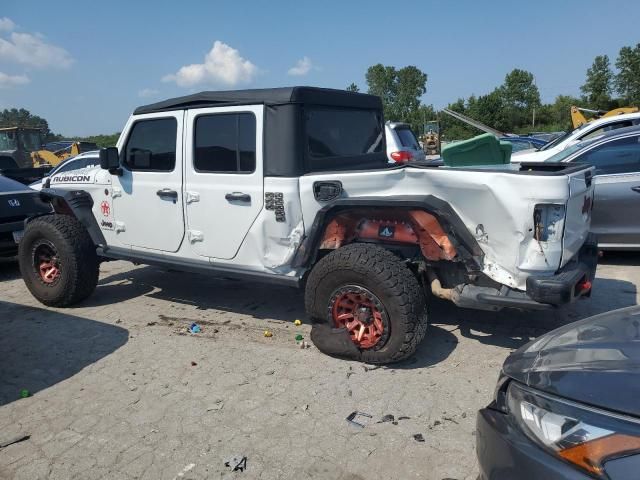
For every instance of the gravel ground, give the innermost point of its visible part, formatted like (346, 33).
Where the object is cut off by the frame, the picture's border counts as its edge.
(121, 390)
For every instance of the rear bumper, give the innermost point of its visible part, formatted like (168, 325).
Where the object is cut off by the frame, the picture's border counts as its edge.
(571, 282)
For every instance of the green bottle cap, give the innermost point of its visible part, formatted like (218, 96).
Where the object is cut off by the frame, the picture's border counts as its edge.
(299, 338)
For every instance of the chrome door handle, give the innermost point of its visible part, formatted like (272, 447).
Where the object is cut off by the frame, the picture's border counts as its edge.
(168, 193)
(238, 197)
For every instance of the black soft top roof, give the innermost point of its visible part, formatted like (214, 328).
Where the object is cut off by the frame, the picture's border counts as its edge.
(267, 96)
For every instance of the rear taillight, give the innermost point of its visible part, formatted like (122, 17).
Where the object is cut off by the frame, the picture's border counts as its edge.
(401, 157)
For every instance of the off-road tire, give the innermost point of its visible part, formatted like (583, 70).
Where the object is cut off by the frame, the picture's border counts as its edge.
(79, 265)
(384, 274)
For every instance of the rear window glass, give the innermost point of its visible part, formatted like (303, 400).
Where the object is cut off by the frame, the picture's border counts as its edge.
(335, 132)
(407, 138)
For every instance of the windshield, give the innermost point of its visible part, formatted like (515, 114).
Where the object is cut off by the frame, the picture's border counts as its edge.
(560, 156)
(8, 140)
(31, 141)
(407, 138)
(12, 140)
(561, 138)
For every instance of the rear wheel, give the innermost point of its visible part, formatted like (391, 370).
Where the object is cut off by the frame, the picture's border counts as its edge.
(367, 290)
(58, 260)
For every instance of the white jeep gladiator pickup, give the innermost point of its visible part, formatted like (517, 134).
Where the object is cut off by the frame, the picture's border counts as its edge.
(292, 186)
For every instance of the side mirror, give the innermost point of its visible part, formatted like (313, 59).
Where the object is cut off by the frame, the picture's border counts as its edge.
(109, 158)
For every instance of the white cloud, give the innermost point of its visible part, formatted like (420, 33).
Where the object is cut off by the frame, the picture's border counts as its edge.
(302, 67)
(148, 92)
(7, 81)
(6, 24)
(222, 66)
(33, 50)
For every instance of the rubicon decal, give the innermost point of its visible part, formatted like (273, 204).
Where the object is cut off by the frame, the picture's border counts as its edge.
(14, 202)
(73, 178)
(105, 208)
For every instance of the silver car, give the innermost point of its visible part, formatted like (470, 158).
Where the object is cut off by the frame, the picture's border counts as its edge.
(402, 144)
(616, 157)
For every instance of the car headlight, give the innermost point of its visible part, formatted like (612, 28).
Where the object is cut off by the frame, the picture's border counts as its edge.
(583, 436)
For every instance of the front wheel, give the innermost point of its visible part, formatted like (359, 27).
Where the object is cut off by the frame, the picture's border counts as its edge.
(58, 260)
(368, 291)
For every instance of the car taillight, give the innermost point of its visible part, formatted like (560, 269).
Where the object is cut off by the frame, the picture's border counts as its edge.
(401, 157)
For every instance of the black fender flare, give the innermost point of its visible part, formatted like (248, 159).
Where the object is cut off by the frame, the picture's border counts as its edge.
(77, 203)
(466, 244)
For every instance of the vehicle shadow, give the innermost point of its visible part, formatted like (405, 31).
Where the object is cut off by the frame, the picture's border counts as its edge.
(205, 292)
(511, 328)
(9, 269)
(507, 329)
(39, 347)
(620, 258)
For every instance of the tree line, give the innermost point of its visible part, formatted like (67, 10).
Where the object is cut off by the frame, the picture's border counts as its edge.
(515, 105)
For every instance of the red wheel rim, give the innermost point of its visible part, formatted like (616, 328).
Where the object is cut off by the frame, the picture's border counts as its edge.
(361, 313)
(46, 263)
(49, 272)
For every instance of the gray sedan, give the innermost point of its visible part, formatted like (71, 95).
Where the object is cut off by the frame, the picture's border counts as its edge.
(616, 157)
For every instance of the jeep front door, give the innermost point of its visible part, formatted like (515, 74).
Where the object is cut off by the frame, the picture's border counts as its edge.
(147, 197)
(223, 178)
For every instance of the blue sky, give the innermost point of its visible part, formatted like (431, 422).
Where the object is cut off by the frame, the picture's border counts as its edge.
(84, 66)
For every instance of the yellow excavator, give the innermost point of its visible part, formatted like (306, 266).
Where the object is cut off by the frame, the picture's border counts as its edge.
(22, 147)
(578, 119)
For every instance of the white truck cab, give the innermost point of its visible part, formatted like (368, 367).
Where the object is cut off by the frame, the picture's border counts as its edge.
(292, 186)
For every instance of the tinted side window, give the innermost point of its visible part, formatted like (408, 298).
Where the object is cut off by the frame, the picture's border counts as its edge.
(152, 145)
(342, 133)
(70, 165)
(90, 162)
(407, 138)
(225, 142)
(617, 156)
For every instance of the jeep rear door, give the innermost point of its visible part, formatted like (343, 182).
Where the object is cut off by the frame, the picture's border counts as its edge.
(146, 200)
(223, 177)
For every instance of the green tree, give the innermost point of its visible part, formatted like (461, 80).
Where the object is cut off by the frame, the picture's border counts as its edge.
(353, 88)
(454, 129)
(520, 96)
(627, 81)
(598, 85)
(490, 110)
(101, 140)
(15, 117)
(400, 91)
(561, 111)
